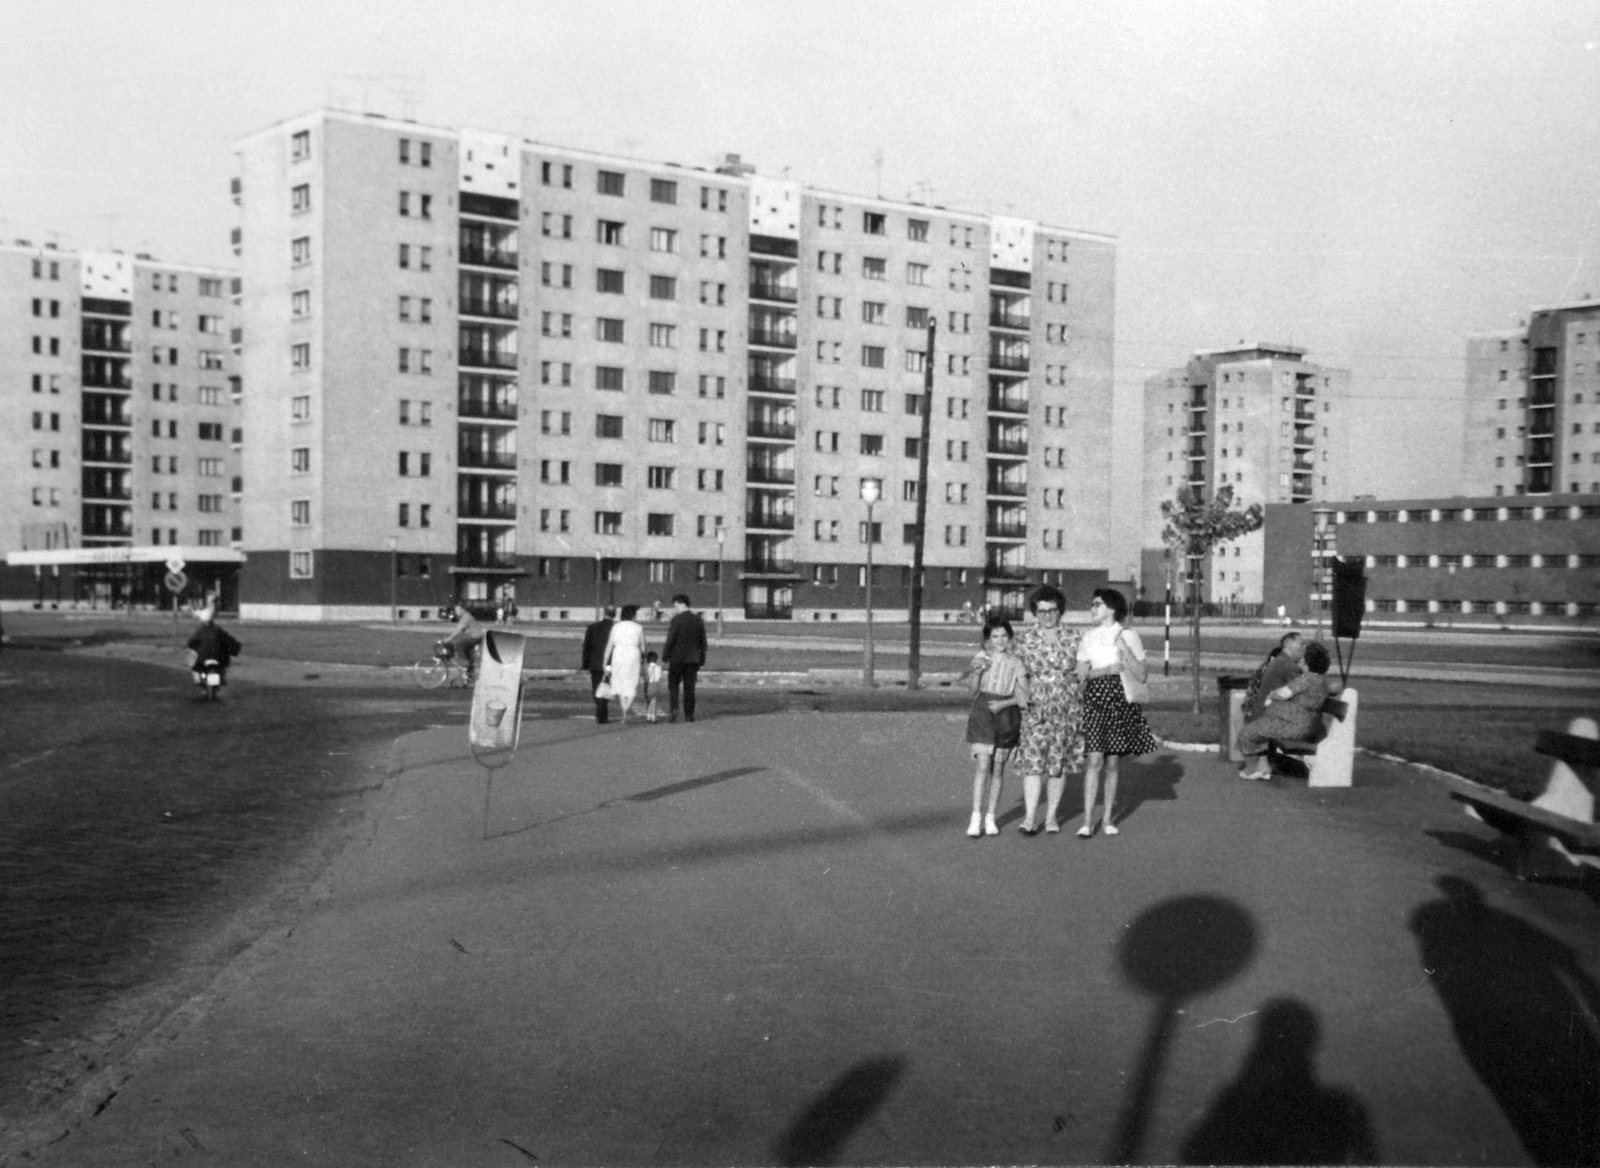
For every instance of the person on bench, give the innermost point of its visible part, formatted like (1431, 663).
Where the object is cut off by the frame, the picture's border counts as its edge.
(1290, 712)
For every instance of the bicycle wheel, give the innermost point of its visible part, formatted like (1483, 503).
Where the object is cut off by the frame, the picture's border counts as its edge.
(430, 672)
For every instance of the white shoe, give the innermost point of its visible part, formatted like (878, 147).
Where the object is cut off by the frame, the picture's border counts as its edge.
(990, 827)
(975, 828)
(1109, 829)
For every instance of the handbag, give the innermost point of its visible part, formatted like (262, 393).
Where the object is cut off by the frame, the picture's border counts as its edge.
(1137, 692)
(603, 691)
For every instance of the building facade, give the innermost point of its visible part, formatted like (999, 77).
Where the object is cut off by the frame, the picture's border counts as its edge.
(121, 424)
(483, 368)
(1260, 419)
(1483, 556)
(1533, 405)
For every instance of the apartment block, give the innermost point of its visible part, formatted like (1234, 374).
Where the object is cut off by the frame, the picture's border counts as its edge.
(1533, 405)
(122, 430)
(1260, 419)
(484, 368)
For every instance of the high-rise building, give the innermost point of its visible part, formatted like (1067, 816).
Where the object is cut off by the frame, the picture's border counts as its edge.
(1258, 418)
(1533, 405)
(484, 367)
(122, 429)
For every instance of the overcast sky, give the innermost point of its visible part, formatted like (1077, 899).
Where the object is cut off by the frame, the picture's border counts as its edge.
(1370, 181)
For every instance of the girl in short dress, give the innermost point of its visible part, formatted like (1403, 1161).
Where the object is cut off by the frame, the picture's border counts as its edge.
(994, 724)
(1112, 725)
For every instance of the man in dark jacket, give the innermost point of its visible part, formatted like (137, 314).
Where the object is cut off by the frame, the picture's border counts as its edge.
(684, 653)
(211, 643)
(594, 660)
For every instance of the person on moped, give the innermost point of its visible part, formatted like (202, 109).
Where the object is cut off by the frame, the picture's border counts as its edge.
(211, 642)
(464, 640)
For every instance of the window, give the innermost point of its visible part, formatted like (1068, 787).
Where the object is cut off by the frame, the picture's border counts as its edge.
(210, 431)
(608, 523)
(872, 400)
(917, 230)
(663, 191)
(608, 474)
(665, 288)
(300, 512)
(300, 355)
(657, 523)
(659, 478)
(872, 444)
(300, 408)
(610, 182)
(300, 146)
(873, 222)
(916, 361)
(663, 381)
(607, 280)
(662, 336)
(873, 268)
(916, 273)
(300, 250)
(872, 356)
(405, 202)
(300, 198)
(872, 311)
(608, 232)
(661, 430)
(608, 329)
(607, 377)
(608, 426)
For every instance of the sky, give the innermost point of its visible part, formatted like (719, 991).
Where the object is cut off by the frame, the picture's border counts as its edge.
(1368, 181)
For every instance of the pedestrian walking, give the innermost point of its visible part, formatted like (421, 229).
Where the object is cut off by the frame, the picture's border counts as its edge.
(1052, 724)
(684, 653)
(595, 639)
(994, 724)
(625, 651)
(1111, 663)
(1291, 711)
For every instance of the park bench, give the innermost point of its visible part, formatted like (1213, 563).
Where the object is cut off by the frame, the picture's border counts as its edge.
(1330, 750)
(1559, 823)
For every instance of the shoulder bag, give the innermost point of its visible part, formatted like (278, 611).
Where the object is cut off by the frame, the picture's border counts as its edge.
(1137, 692)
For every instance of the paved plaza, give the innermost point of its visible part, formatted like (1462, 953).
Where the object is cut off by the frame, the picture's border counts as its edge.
(768, 940)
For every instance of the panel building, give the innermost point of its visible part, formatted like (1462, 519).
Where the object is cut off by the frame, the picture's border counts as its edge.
(1258, 418)
(121, 423)
(482, 367)
(1533, 405)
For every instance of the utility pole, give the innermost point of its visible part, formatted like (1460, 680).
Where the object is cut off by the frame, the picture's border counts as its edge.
(914, 663)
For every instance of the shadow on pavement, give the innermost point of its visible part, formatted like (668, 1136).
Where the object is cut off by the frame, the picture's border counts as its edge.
(1142, 782)
(819, 1134)
(1524, 1013)
(1498, 852)
(1174, 951)
(679, 788)
(1276, 1112)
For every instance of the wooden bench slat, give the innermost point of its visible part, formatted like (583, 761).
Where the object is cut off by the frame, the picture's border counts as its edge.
(1568, 748)
(1336, 708)
(1585, 836)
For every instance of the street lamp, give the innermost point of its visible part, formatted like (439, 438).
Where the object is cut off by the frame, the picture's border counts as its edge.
(597, 586)
(869, 496)
(722, 538)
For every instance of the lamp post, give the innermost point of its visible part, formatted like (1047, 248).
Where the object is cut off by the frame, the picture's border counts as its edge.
(597, 586)
(722, 538)
(394, 579)
(869, 495)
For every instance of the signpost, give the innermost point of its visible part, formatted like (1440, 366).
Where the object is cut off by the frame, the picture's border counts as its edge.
(176, 582)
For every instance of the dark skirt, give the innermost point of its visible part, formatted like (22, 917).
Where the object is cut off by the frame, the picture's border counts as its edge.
(1112, 724)
(1001, 729)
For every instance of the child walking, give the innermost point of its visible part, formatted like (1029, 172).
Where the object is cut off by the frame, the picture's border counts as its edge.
(994, 724)
(652, 685)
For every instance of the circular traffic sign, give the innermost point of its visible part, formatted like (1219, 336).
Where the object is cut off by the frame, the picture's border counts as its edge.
(176, 581)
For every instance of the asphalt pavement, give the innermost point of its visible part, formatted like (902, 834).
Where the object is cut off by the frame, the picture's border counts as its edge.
(768, 940)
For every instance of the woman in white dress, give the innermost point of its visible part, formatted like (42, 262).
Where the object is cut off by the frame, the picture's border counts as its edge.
(625, 657)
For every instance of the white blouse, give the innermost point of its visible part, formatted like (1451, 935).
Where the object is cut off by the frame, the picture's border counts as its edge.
(1099, 645)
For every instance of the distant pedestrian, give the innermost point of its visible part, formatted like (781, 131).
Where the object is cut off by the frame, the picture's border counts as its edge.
(684, 653)
(595, 638)
(625, 658)
(652, 686)
(994, 724)
(1113, 725)
(1281, 667)
(1052, 725)
(1291, 711)
(210, 642)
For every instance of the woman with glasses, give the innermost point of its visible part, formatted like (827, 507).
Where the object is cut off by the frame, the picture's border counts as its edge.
(1052, 733)
(1112, 725)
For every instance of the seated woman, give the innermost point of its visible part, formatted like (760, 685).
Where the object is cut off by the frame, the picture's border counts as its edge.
(1291, 711)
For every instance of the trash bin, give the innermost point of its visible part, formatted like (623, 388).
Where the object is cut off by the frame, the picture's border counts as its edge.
(1230, 705)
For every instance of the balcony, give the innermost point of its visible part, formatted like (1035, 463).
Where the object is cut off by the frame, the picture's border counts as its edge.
(106, 412)
(768, 566)
(476, 558)
(767, 290)
(487, 359)
(763, 383)
(768, 428)
(106, 493)
(107, 531)
(1007, 488)
(498, 411)
(1008, 403)
(1007, 531)
(488, 257)
(1008, 447)
(768, 521)
(487, 459)
(758, 473)
(773, 338)
(482, 509)
(498, 309)
(1003, 571)
(1010, 320)
(1197, 449)
(1305, 415)
(1012, 361)
(98, 340)
(107, 446)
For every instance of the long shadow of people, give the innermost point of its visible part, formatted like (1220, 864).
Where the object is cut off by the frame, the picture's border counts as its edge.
(819, 1134)
(1524, 1013)
(1143, 781)
(1275, 1112)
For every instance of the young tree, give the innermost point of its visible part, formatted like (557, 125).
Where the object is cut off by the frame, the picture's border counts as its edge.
(1194, 528)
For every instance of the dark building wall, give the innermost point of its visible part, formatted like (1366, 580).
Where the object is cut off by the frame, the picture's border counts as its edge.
(1288, 571)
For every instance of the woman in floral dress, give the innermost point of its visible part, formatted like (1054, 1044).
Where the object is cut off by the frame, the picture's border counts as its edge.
(1052, 725)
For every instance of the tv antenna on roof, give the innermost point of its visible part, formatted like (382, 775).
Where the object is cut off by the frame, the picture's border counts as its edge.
(877, 161)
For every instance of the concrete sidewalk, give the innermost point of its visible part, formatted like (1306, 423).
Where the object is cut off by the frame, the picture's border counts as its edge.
(768, 940)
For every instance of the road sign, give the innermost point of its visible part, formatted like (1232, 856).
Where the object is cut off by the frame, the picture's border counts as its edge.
(175, 563)
(176, 580)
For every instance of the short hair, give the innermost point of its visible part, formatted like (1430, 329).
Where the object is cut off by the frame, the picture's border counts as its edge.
(1317, 659)
(1114, 600)
(629, 611)
(682, 599)
(1283, 641)
(992, 623)
(651, 656)
(1050, 594)
(611, 610)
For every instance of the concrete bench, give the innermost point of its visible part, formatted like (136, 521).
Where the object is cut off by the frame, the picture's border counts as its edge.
(1558, 827)
(1329, 754)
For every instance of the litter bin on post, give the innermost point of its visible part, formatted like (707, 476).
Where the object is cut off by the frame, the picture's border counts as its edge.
(1230, 707)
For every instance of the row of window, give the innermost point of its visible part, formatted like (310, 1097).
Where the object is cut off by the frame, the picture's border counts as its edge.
(1504, 607)
(208, 431)
(659, 571)
(1487, 560)
(210, 468)
(1467, 514)
(206, 503)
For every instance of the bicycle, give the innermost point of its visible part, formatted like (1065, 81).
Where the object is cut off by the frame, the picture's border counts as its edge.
(445, 666)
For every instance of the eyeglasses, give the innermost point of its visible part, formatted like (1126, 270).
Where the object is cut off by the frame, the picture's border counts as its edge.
(1046, 610)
